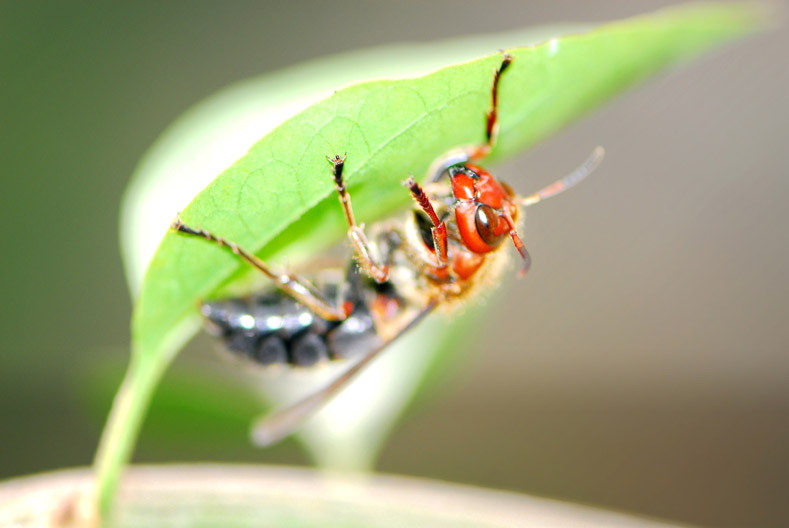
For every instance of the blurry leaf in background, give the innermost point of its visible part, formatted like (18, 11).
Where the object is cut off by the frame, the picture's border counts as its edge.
(278, 198)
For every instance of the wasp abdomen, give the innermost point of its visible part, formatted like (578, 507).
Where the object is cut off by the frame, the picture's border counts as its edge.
(274, 329)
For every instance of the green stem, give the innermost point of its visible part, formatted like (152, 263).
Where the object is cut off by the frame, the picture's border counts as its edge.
(123, 426)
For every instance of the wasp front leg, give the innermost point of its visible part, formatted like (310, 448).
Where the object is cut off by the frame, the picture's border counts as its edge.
(478, 152)
(492, 117)
(439, 228)
(364, 254)
(294, 286)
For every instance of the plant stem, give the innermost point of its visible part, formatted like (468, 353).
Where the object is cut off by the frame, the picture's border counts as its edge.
(123, 426)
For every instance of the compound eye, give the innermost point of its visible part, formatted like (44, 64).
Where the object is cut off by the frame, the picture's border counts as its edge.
(489, 227)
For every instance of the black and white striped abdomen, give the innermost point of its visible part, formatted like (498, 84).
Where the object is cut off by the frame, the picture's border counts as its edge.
(273, 328)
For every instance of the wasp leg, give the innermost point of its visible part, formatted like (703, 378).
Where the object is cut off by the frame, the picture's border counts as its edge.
(300, 290)
(491, 129)
(364, 254)
(439, 228)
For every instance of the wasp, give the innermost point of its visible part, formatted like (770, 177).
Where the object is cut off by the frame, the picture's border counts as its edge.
(442, 252)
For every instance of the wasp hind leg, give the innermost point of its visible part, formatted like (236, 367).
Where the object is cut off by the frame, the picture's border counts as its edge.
(364, 252)
(291, 284)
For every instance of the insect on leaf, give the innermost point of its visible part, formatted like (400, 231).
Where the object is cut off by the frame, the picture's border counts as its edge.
(279, 199)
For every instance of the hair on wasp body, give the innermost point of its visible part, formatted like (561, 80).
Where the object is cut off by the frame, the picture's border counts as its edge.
(450, 245)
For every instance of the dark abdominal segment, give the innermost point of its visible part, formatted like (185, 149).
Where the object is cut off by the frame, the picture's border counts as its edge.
(274, 329)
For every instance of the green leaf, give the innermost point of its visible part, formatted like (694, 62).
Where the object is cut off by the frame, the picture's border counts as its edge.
(279, 198)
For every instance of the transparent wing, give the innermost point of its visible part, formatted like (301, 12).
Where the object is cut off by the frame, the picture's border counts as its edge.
(274, 427)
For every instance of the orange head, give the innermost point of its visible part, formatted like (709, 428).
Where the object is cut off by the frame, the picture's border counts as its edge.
(485, 211)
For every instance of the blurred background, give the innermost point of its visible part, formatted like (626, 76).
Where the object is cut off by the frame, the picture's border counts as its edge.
(652, 330)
